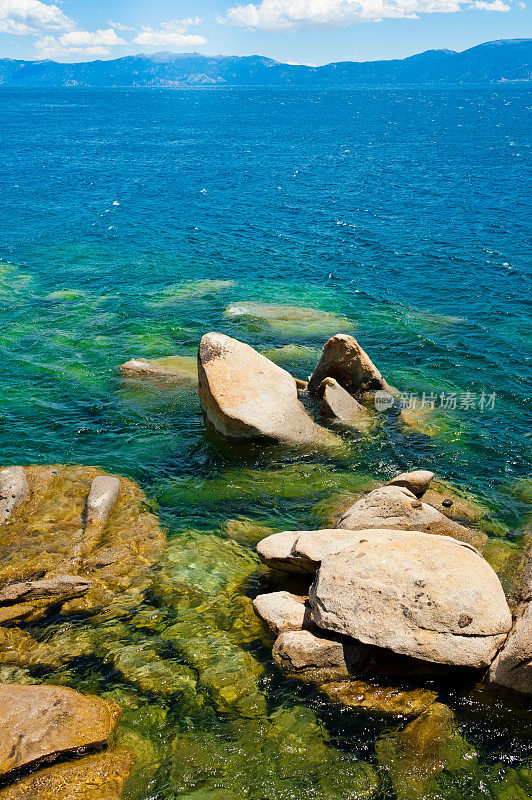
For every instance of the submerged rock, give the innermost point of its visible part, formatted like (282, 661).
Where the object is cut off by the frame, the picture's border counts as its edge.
(100, 776)
(396, 507)
(342, 409)
(416, 482)
(245, 396)
(344, 360)
(56, 590)
(286, 319)
(417, 755)
(386, 701)
(62, 527)
(425, 596)
(172, 371)
(44, 723)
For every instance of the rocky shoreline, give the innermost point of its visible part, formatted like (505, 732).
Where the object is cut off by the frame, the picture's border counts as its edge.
(380, 612)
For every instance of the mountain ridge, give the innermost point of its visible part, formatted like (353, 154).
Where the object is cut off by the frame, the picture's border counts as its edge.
(503, 60)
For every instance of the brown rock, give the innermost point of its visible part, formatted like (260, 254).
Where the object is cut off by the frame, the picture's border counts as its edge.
(100, 776)
(245, 396)
(44, 723)
(344, 360)
(13, 490)
(416, 482)
(425, 596)
(342, 409)
(388, 701)
(58, 589)
(283, 611)
(396, 507)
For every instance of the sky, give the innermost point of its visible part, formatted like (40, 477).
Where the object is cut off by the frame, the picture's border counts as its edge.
(294, 31)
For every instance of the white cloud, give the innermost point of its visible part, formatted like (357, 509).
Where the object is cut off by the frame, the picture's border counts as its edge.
(172, 34)
(292, 15)
(495, 5)
(118, 26)
(25, 17)
(79, 43)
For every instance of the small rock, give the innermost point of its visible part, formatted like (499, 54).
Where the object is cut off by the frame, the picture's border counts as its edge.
(13, 490)
(342, 409)
(102, 498)
(411, 593)
(283, 611)
(397, 507)
(344, 360)
(314, 656)
(43, 723)
(416, 482)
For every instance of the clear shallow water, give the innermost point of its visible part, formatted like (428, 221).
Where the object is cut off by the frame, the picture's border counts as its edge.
(407, 212)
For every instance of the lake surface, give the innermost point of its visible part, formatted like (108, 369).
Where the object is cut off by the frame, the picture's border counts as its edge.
(134, 221)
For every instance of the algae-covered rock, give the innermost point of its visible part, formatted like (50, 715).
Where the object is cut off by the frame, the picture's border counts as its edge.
(417, 755)
(100, 776)
(186, 290)
(381, 700)
(44, 723)
(53, 533)
(141, 665)
(246, 531)
(281, 756)
(285, 319)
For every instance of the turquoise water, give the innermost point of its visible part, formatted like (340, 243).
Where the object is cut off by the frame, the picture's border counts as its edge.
(403, 212)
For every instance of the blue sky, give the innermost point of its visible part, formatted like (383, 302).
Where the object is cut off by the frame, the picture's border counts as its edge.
(297, 31)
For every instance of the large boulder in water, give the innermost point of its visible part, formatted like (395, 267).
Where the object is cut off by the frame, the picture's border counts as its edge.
(398, 508)
(344, 360)
(245, 396)
(425, 596)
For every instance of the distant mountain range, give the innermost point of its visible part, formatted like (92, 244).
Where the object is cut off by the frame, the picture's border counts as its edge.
(490, 63)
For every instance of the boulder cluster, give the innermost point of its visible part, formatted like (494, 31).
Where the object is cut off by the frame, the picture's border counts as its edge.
(392, 599)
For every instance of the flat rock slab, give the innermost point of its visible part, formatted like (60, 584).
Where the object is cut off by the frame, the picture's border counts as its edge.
(100, 776)
(421, 595)
(43, 723)
(245, 396)
(62, 587)
(397, 507)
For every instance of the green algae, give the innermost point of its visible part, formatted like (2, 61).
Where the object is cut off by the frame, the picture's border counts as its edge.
(186, 290)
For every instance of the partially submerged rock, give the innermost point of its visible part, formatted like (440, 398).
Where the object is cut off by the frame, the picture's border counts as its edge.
(13, 490)
(43, 723)
(341, 409)
(513, 666)
(283, 611)
(425, 596)
(344, 360)
(316, 657)
(171, 371)
(396, 507)
(245, 396)
(417, 481)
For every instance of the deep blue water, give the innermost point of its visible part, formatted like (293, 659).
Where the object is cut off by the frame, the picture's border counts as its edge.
(406, 212)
